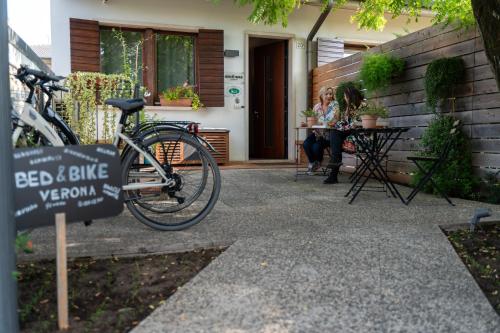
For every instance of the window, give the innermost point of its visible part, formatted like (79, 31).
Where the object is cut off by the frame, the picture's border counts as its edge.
(156, 58)
(121, 52)
(175, 61)
(350, 49)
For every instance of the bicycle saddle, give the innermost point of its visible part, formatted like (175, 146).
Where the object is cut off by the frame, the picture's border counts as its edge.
(126, 104)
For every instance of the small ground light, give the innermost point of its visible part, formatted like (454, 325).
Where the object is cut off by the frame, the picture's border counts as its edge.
(478, 214)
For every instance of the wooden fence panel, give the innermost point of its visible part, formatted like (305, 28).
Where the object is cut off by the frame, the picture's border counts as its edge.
(477, 98)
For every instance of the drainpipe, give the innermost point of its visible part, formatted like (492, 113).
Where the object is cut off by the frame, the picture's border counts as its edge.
(310, 37)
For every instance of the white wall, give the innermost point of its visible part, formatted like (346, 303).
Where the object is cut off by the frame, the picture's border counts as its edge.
(232, 19)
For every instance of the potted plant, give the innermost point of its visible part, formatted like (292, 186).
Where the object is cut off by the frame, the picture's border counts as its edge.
(311, 117)
(369, 114)
(181, 96)
(378, 70)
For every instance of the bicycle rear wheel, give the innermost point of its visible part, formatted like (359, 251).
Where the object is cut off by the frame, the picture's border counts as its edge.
(191, 194)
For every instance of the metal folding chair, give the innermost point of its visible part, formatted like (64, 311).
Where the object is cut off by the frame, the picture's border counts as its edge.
(437, 163)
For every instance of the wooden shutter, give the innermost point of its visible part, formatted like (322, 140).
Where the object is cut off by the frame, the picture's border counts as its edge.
(85, 48)
(329, 50)
(211, 67)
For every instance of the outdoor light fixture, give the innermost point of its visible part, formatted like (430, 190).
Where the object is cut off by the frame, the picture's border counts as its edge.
(478, 214)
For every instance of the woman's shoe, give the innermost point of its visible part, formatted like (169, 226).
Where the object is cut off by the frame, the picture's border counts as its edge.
(315, 166)
(332, 177)
(310, 170)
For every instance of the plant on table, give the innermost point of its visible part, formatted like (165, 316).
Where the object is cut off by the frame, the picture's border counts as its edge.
(456, 178)
(370, 112)
(311, 117)
(181, 96)
(441, 77)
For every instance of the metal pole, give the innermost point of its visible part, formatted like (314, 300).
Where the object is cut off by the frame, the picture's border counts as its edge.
(319, 22)
(137, 115)
(8, 286)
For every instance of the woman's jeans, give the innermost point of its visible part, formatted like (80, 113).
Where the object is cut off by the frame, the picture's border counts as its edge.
(336, 139)
(314, 148)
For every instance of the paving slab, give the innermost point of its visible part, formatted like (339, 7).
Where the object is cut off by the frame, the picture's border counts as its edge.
(302, 260)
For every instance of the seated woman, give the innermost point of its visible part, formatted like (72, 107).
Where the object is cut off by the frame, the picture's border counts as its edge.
(315, 143)
(343, 123)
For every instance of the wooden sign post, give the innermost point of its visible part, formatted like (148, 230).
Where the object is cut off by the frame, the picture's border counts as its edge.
(72, 183)
(62, 273)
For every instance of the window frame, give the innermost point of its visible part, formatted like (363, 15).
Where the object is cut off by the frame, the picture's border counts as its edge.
(130, 29)
(196, 59)
(352, 46)
(150, 61)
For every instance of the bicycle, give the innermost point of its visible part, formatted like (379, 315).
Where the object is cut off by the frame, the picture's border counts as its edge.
(172, 193)
(28, 116)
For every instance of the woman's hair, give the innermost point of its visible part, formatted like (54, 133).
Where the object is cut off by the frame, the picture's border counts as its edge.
(354, 97)
(322, 92)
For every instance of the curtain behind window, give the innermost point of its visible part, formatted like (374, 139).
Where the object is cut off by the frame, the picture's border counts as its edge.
(175, 61)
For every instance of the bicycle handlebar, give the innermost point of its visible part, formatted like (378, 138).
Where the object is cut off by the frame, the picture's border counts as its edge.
(32, 77)
(55, 87)
(24, 71)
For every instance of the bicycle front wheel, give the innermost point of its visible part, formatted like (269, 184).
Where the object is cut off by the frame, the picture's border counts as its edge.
(192, 188)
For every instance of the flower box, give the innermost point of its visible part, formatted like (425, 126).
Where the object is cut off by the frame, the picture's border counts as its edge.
(183, 102)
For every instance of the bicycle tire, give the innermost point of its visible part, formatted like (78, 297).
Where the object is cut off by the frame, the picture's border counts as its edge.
(192, 198)
(172, 219)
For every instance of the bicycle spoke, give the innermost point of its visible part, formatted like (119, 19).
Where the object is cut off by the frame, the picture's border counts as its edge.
(190, 191)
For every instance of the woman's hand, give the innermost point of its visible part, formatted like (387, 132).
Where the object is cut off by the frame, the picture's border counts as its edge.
(347, 114)
(336, 115)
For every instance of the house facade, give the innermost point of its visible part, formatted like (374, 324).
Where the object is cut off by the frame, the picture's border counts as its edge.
(252, 78)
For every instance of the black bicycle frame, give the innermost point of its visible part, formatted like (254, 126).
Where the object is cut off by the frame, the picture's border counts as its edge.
(55, 119)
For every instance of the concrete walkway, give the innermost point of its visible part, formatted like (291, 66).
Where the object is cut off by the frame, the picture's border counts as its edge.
(302, 260)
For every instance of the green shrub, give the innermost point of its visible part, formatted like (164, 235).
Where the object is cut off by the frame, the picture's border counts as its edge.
(455, 178)
(377, 70)
(440, 78)
(489, 191)
(339, 92)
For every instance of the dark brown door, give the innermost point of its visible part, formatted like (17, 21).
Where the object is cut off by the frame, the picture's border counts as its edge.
(268, 103)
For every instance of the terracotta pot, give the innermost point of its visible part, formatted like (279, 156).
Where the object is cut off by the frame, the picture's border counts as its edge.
(311, 121)
(183, 102)
(368, 121)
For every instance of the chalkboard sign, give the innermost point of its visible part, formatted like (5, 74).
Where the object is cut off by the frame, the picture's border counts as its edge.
(82, 181)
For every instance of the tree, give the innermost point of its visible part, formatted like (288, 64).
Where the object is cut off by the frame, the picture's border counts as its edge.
(371, 15)
(487, 15)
